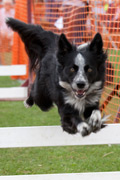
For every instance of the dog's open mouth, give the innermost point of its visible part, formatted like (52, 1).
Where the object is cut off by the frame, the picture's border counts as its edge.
(80, 93)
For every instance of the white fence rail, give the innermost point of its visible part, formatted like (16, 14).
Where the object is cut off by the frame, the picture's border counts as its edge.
(54, 136)
(71, 176)
(13, 93)
(12, 70)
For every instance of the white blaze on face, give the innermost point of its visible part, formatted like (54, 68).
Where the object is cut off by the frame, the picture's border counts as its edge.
(80, 76)
(80, 62)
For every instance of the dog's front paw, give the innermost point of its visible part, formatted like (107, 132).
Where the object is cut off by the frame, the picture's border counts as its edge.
(95, 121)
(84, 129)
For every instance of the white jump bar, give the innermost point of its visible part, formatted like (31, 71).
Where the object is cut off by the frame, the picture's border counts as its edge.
(13, 93)
(69, 176)
(54, 136)
(12, 70)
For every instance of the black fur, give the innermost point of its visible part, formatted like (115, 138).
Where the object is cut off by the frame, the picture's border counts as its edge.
(53, 58)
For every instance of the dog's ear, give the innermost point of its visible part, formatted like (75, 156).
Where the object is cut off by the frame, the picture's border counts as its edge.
(96, 44)
(64, 45)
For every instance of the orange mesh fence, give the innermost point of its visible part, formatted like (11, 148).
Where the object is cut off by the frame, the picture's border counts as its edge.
(105, 18)
(79, 20)
(19, 55)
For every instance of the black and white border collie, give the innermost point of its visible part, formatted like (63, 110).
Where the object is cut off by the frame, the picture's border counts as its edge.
(70, 77)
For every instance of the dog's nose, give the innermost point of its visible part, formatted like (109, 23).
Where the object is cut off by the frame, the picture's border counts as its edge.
(81, 84)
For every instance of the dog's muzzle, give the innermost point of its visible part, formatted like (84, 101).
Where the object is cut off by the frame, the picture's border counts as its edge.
(80, 93)
(80, 88)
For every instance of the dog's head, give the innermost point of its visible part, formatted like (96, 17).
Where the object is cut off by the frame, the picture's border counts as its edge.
(81, 67)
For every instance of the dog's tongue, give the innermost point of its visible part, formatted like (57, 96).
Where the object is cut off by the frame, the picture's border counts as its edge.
(80, 92)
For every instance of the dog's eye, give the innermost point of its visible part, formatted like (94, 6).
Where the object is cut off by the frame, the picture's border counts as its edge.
(72, 70)
(89, 70)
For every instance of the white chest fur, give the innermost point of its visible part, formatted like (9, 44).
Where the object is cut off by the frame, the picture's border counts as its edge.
(78, 104)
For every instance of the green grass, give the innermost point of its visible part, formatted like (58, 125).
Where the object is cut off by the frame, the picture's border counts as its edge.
(44, 160)
(59, 160)
(15, 114)
(5, 81)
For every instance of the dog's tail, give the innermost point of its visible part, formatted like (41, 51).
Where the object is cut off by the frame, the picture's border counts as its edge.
(16, 25)
(37, 41)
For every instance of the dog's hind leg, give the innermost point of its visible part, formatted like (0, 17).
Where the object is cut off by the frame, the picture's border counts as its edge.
(42, 99)
(41, 94)
(29, 101)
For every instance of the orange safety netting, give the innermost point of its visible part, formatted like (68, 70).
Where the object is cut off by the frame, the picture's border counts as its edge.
(19, 55)
(79, 20)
